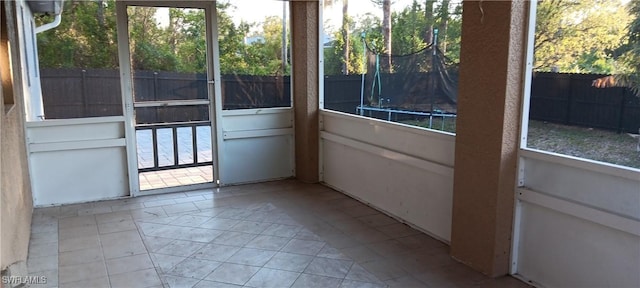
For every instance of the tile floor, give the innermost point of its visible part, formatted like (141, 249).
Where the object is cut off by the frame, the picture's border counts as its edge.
(176, 177)
(275, 234)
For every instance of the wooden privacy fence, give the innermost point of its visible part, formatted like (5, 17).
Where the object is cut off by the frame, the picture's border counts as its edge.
(71, 93)
(571, 100)
(76, 93)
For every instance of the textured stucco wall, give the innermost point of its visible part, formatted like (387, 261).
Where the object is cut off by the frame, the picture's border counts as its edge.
(304, 33)
(490, 92)
(16, 202)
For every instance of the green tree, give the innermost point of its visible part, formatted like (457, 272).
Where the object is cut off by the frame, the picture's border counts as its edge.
(628, 73)
(150, 49)
(570, 32)
(264, 57)
(85, 37)
(187, 36)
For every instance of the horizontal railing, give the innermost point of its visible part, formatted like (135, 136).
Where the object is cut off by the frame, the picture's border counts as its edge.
(174, 131)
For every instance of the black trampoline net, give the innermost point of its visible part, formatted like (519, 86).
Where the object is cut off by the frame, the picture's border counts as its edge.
(424, 81)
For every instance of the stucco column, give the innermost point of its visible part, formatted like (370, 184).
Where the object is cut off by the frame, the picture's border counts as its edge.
(492, 59)
(304, 74)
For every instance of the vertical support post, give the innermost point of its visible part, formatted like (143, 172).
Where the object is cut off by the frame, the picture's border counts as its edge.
(432, 82)
(83, 92)
(154, 139)
(364, 48)
(486, 159)
(305, 67)
(621, 111)
(155, 98)
(194, 146)
(284, 38)
(570, 97)
(174, 133)
(126, 88)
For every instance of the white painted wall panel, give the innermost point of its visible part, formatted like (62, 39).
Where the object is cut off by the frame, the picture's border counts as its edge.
(558, 250)
(257, 145)
(100, 128)
(257, 119)
(577, 222)
(406, 172)
(74, 176)
(421, 143)
(614, 190)
(418, 197)
(257, 159)
(77, 160)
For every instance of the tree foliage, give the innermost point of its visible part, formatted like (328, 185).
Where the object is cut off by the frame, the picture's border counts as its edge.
(588, 36)
(408, 30)
(579, 36)
(87, 38)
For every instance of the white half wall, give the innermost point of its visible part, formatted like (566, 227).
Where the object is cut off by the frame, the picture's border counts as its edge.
(577, 222)
(77, 160)
(404, 171)
(257, 145)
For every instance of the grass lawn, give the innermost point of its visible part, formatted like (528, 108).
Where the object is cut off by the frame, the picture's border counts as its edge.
(438, 123)
(594, 144)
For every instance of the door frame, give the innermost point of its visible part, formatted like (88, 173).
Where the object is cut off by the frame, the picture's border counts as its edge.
(213, 89)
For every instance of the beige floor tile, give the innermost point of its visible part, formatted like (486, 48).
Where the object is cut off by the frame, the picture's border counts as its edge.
(165, 262)
(233, 238)
(117, 250)
(306, 247)
(267, 242)
(193, 268)
(233, 273)
(289, 262)
(44, 249)
(250, 227)
(316, 281)
(383, 269)
(346, 283)
(213, 284)
(329, 267)
(117, 216)
(92, 282)
(249, 256)
(180, 208)
(177, 282)
(263, 234)
(219, 223)
(181, 248)
(50, 277)
(376, 220)
(122, 237)
(80, 256)
(282, 230)
(79, 243)
(71, 222)
(119, 226)
(190, 220)
(216, 252)
(84, 271)
(271, 278)
(358, 273)
(129, 264)
(77, 232)
(408, 281)
(38, 264)
(398, 230)
(136, 279)
(41, 228)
